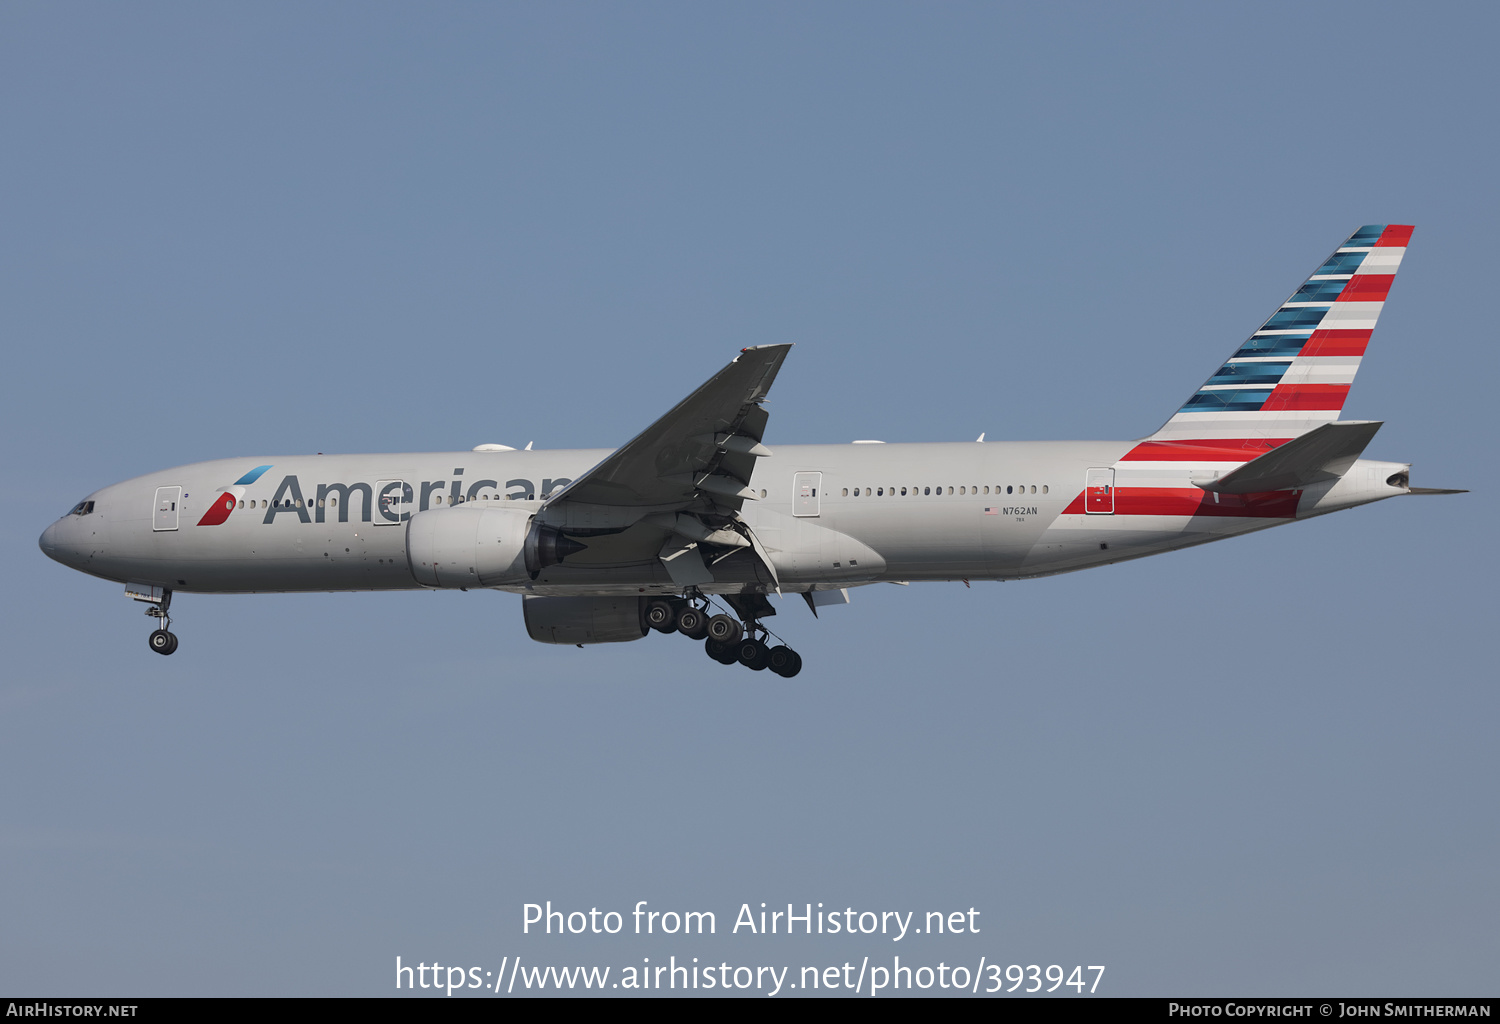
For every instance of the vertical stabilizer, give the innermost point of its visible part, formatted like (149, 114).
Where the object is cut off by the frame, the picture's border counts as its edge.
(1293, 374)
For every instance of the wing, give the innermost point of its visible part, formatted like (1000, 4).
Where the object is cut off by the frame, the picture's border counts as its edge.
(699, 457)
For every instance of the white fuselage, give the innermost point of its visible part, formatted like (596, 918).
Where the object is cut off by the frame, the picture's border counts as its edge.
(831, 516)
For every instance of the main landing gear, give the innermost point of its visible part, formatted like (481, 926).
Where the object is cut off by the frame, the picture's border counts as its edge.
(724, 639)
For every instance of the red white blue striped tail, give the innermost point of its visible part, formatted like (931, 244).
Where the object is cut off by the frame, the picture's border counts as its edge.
(1293, 374)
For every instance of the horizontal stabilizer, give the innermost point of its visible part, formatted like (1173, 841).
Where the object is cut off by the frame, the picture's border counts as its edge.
(1320, 455)
(1437, 490)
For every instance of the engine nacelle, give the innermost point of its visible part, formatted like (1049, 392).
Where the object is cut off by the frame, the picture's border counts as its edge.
(472, 546)
(584, 620)
(468, 546)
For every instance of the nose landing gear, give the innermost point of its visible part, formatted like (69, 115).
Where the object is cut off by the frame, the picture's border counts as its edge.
(159, 600)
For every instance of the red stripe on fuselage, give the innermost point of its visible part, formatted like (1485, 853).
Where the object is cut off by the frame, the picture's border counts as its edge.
(1191, 501)
(218, 511)
(1214, 449)
(1307, 397)
(1336, 343)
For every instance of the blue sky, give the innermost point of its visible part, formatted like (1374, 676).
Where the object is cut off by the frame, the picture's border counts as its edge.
(1264, 766)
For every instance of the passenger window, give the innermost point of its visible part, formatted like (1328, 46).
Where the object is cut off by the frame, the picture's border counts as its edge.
(1033, 488)
(950, 490)
(242, 503)
(903, 492)
(927, 490)
(1044, 488)
(846, 492)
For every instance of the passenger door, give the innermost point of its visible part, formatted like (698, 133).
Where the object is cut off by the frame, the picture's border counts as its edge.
(168, 501)
(392, 503)
(805, 498)
(1099, 492)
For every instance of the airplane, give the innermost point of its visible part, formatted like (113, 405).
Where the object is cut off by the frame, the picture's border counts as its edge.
(605, 546)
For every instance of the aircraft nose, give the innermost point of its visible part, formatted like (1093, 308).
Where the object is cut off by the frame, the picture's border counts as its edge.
(48, 542)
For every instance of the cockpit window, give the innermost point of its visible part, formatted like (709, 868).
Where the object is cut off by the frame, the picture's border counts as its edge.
(83, 508)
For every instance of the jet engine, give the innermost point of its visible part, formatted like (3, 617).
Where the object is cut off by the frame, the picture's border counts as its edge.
(584, 620)
(469, 546)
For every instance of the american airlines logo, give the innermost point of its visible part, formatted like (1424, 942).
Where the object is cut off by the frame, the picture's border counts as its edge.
(387, 501)
(226, 500)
